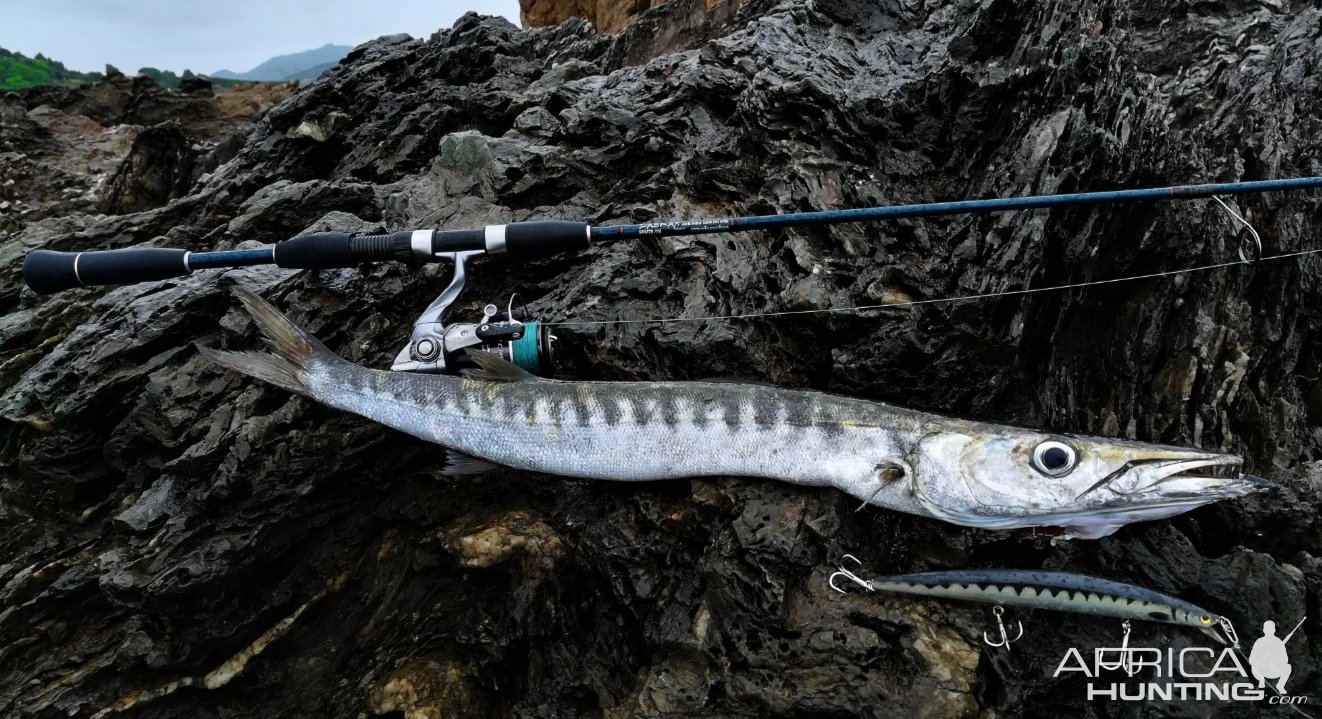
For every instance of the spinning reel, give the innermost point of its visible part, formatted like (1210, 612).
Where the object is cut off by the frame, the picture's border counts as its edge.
(438, 348)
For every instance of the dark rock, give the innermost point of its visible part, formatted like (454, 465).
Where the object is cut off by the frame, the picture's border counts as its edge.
(306, 562)
(192, 85)
(72, 150)
(158, 169)
(150, 510)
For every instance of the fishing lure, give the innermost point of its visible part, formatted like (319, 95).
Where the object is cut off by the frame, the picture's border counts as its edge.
(1059, 591)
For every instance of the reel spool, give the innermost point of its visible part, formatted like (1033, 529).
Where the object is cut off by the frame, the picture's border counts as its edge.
(509, 335)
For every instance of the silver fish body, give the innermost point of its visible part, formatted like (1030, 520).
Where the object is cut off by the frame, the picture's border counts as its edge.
(970, 473)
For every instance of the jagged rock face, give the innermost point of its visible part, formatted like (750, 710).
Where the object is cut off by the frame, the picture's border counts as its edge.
(181, 541)
(53, 163)
(246, 102)
(605, 15)
(121, 145)
(158, 169)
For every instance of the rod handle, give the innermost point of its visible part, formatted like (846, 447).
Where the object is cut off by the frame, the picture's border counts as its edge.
(540, 238)
(48, 271)
(326, 250)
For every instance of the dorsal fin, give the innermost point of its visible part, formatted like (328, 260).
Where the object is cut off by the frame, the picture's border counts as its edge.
(492, 368)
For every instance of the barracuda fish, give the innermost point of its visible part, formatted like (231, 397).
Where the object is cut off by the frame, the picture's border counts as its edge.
(974, 474)
(1060, 591)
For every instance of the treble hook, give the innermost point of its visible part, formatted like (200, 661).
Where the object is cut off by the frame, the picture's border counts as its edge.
(998, 610)
(842, 572)
(1255, 252)
(1126, 662)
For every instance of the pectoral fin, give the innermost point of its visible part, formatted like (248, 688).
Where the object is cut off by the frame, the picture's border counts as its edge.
(458, 464)
(495, 369)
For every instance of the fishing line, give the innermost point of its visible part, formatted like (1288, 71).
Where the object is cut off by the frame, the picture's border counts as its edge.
(934, 300)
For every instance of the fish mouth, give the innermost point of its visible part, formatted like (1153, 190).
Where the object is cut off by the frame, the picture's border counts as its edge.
(1140, 490)
(1204, 478)
(1148, 489)
(1163, 478)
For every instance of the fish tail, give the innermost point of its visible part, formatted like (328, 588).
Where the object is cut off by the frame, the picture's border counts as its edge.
(292, 348)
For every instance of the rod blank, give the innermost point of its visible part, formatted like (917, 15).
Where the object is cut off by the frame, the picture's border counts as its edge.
(935, 209)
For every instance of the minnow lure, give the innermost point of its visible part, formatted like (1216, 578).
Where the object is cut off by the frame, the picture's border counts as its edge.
(974, 474)
(1060, 591)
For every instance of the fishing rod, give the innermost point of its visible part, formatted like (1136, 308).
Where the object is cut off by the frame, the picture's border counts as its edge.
(437, 347)
(47, 271)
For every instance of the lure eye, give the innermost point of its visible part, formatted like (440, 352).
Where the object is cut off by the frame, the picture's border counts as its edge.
(1054, 458)
(1205, 619)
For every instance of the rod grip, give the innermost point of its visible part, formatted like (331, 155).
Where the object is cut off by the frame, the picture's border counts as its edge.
(48, 271)
(545, 237)
(326, 250)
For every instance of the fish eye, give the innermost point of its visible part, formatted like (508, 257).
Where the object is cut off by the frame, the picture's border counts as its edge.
(1054, 458)
(1205, 619)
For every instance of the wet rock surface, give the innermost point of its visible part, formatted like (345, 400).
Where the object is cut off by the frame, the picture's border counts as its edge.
(121, 145)
(181, 541)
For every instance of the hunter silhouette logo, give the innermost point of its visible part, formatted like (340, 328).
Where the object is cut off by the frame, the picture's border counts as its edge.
(1269, 660)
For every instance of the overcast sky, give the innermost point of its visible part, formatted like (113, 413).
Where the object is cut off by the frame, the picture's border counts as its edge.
(209, 35)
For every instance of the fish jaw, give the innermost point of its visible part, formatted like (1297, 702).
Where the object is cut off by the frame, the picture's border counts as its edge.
(981, 477)
(1156, 490)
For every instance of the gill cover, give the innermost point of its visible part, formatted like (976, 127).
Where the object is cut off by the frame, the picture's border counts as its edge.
(989, 480)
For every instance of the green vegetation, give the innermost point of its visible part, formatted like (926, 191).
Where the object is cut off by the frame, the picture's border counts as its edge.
(18, 72)
(165, 78)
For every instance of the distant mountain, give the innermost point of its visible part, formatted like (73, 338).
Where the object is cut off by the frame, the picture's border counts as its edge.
(305, 65)
(314, 72)
(18, 72)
